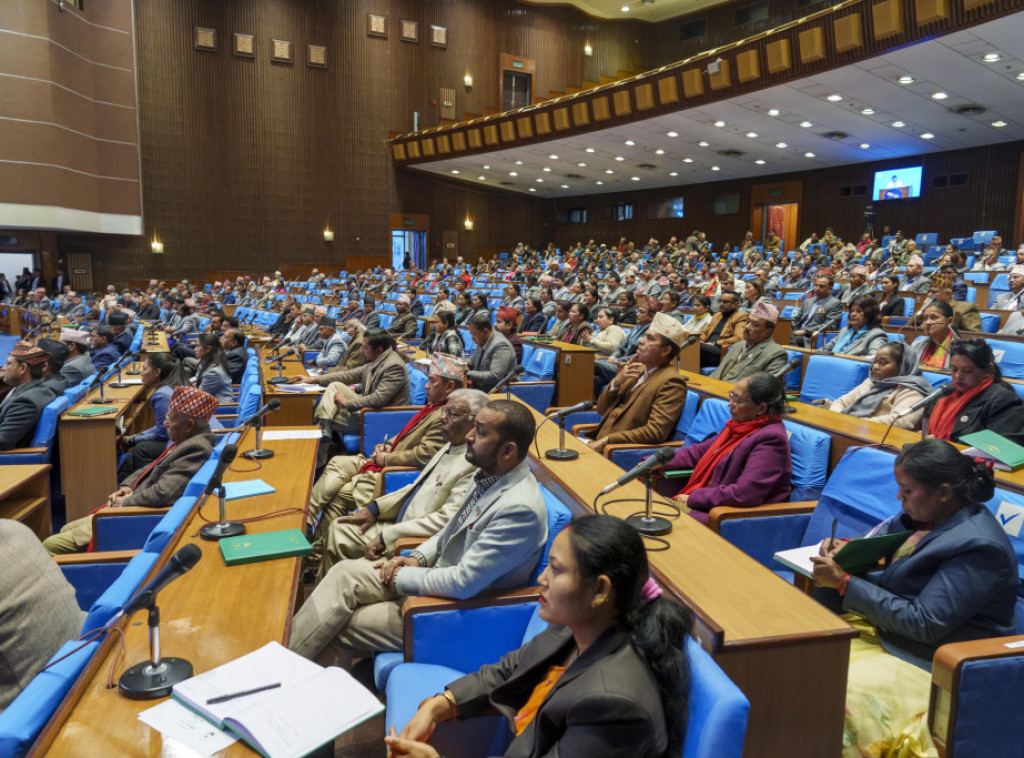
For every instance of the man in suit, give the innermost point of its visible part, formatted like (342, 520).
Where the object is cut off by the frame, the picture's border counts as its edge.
(605, 370)
(371, 319)
(494, 356)
(57, 352)
(641, 405)
(758, 351)
(352, 311)
(332, 347)
(350, 481)
(915, 281)
(819, 313)
(405, 320)
(1014, 299)
(492, 542)
(73, 306)
(78, 364)
(420, 509)
(161, 483)
(966, 317)
(723, 331)
(233, 342)
(117, 321)
(104, 351)
(58, 282)
(858, 286)
(21, 406)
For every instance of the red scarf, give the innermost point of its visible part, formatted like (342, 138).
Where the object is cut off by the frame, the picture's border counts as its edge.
(733, 434)
(948, 409)
(370, 466)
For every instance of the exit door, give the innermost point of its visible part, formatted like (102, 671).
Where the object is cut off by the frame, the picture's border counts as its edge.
(515, 89)
(782, 219)
(408, 246)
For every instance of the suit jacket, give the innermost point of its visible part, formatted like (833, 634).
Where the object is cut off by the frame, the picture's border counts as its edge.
(403, 324)
(75, 311)
(237, 358)
(429, 502)
(20, 411)
(167, 480)
(731, 333)
(894, 306)
(918, 285)
(848, 294)
(215, 381)
(996, 409)
(496, 546)
(419, 445)
(534, 323)
(77, 369)
(123, 341)
(38, 610)
(332, 352)
(960, 583)
(823, 315)
(149, 313)
(1008, 301)
(606, 704)
(740, 361)
(385, 382)
(1014, 324)
(491, 362)
(372, 320)
(866, 344)
(353, 357)
(756, 472)
(629, 345)
(102, 358)
(966, 317)
(644, 415)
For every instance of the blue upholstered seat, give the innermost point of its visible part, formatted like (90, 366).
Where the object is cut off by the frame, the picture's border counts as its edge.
(829, 376)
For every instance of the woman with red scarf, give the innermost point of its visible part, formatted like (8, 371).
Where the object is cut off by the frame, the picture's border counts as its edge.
(981, 399)
(748, 463)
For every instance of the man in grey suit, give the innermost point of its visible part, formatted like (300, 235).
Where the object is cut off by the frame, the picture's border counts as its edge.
(78, 365)
(758, 351)
(492, 542)
(333, 348)
(494, 356)
(916, 281)
(22, 406)
(1014, 299)
(233, 342)
(820, 313)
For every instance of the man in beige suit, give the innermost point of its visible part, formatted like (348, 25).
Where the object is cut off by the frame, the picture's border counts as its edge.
(350, 481)
(641, 405)
(421, 508)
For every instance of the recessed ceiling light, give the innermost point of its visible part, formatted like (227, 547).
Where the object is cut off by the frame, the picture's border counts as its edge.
(533, 189)
(659, 151)
(719, 124)
(752, 135)
(634, 178)
(486, 167)
(774, 112)
(590, 149)
(630, 142)
(906, 80)
(927, 135)
(808, 155)
(553, 157)
(619, 158)
(539, 180)
(999, 124)
(939, 96)
(672, 134)
(806, 124)
(598, 182)
(513, 173)
(519, 163)
(581, 164)
(673, 173)
(608, 171)
(864, 145)
(624, 9)
(703, 143)
(455, 171)
(867, 111)
(899, 124)
(781, 145)
(759, 162)
(991, 57)
(834, 98)
(1020, 76)
(546, 168)
(565, 186)
(687, 160)
(715, 168)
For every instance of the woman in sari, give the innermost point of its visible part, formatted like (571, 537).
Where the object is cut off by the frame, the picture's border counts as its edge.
(863, 334)
(932, 350)
(954, 578)
(579, 326)
(748, 463)
(890, 389)
(980, 401)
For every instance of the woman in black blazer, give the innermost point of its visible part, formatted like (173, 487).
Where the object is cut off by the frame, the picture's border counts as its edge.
(608, 672)
(891, 302)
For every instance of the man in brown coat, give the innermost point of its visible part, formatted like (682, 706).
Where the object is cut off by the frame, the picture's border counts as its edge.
(724, 330)
(641, 405)
(966, 317)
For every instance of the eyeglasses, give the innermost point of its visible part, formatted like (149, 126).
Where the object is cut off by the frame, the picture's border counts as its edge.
(450, 415)
(735, 399)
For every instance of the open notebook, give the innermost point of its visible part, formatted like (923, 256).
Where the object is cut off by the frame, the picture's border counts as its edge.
(312, 706)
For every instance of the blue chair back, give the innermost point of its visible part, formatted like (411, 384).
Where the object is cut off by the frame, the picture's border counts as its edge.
(936, 379)
(538, 396)
(1009, 356)
(860, 493)
(989, 321)
(46, 429)
(792, 379)
(710, 420)
(927, 238)
(830, 377)
(558, 516)
(417, 386)
(541, 366)
(809, 450)
(528, 351)
(378, 424)
(717, 718)
(120, 592)
(175, 517)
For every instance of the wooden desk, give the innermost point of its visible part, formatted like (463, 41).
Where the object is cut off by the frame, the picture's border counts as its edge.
(296, 407)
(786, 652)
(25, 496)
(157, 343)
(88, 447)
(211, 616)
(574, 371)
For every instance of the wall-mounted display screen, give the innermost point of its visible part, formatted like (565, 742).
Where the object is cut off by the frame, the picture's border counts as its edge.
(897, 183)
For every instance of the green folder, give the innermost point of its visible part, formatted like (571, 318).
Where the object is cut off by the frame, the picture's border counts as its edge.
(859, 556)
(251, 548)
(96, 410)
(997, 447)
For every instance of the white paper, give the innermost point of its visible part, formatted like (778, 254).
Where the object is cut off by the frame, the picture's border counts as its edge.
(799, 558)
(175, 721)
(287, 434)
(299, 388)
(424, 361)
(129, 380)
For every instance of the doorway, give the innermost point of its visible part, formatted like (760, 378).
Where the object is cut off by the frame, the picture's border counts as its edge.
(408, 243)
(515, 89)
(782, 219)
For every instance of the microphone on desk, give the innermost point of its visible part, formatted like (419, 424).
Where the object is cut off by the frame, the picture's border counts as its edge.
(660, 458)
(271, 406)
(794, 363)
(562, 453)
(508, 378)
(690, 340)
(586, 405)
(41, 325)
(928, 400)
(119, 384)
(259, 452)
(222, 528)
(98, 381)
(155, 677)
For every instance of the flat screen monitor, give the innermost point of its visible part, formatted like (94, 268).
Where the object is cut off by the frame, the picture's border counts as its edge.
(897, 183)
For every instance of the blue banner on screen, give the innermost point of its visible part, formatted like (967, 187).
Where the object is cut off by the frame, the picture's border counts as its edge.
(897, 183)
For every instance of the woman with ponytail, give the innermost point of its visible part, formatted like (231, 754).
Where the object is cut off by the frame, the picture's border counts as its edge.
(161, 373)
(953, 578)
(607, 678)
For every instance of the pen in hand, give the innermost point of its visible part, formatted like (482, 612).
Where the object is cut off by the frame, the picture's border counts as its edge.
(233, 695)
(832, 539)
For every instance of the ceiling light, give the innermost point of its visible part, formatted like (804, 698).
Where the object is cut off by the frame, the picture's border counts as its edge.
(991, 57)
(806, 124)
(590, 149)
(999, 124)
(759, 162)
(533, 189)
(867, 111)
(630, 142)
(581, 164)
(565, 186)
(482, 178)
(673, 173)
(519, 163)
(513, 173)
(864, 145)
(539, 180)
(703, 143)
(939, 96)
(927, 135)
(899, 124)
(719, 124)
(1020, 76)
(624, 9)
(486, 167)
(598, 182)
(752, 135)
(455, 171)
(672, 134)
(808, 155)
(619, 158)
(715, 168)
(608, 171)
(634, 178)
(906, 80)
(687, 160)
(834, 98)
(546, 168)
(553, 157)
(774, 112)
(659, 151)
(781, 145)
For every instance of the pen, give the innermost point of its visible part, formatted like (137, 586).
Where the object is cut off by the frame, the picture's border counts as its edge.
(233, 695)
(832, 539)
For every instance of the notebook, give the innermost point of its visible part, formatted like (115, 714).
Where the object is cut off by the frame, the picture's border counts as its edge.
(312, 706)
(856, 557)
(1006, 455)
(266, 546)
(250, 488)
(96, 410)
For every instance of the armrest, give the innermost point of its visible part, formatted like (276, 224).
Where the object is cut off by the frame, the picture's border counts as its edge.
(84, 559)
(24, 451)
(578, 429)
(131, 510)
(408, 543)
(725, 512)
(612, 447)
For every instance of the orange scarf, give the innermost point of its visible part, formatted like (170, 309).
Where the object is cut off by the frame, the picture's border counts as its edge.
(948, 408)
(727, 441)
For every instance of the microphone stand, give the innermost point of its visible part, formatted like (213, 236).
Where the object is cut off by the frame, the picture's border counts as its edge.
(647, 523)
(258, 453)
(155, 677)
(562, 453)
(119, 384)
(223, 528)
(101, 399)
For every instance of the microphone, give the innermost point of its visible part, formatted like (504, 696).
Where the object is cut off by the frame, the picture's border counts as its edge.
(41, 325)
(98, 381)
(690, 340)
(928, 400)
(641, 469)
(793, 363)
(180, 562)
(507, 379)
(273, 405)
(586, 405)
(227, 455)
(282, 356)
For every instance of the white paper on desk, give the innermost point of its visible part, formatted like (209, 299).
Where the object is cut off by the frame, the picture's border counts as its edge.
(175, 721)
(424, 361)
(299, 388)
(799, 558)
(288, 434)
(131, 381)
